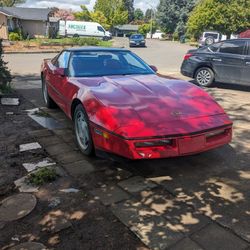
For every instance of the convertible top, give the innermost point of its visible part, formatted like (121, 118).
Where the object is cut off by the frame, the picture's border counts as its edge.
(95, 48)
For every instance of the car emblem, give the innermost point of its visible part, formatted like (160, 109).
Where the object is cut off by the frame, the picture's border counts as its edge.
(176, 113)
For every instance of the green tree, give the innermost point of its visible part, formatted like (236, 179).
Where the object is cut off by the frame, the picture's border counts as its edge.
(138, 14)
(146, 28)
(148, 15)
(83, 15)
(226, 16)
(172, 15)
(98, 16)
(129, 7)
(5, 76)
(113, 10)
(10, 3)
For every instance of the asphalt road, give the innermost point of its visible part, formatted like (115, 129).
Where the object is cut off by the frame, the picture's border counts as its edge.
(166, 56)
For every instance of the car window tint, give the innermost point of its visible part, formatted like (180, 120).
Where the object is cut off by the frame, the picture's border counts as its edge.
(233, 47)
(215, 36)
(100, 28)
(214, 47)
(136, 37)
(63, 60)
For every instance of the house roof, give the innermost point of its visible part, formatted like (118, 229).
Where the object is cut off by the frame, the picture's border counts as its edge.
(127, 27)
(38, 14)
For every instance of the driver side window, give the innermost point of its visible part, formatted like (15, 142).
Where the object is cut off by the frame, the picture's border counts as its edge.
(63, 60)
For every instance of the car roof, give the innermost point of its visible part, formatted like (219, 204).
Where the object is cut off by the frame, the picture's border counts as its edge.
(95, 48)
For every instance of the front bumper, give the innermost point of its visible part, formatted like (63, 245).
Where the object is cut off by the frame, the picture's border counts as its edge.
(180, 145)
(137, 44)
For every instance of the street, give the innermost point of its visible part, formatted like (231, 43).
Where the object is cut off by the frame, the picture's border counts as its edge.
(193, 202)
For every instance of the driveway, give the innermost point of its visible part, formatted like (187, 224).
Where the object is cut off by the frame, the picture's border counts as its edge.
(194, 202)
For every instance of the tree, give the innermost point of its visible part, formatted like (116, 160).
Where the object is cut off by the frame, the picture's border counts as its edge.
(63, 14)
(148, 15)
(146, 28)
(138, 14)
(172, 15)
(113, 10)
(129, 7)
(10, 3)
(98, 16)
(83, 15)
(226, 16)
(5, 76)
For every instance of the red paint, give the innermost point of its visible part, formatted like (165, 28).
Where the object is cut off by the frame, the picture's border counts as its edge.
(142, 108)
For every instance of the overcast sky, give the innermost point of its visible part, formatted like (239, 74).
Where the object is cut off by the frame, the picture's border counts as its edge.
(74, 4)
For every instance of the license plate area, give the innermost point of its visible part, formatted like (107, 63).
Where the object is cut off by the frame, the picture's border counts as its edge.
(191, 144)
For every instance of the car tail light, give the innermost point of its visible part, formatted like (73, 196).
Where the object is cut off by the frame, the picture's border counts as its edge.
(187, 56)
(154, 143)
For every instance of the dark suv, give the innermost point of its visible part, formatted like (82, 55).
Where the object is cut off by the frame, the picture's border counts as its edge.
(137, 40)
(227, 62)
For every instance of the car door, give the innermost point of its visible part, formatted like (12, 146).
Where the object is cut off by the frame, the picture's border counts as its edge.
(246, 66)
(58, 82)
(228, 61)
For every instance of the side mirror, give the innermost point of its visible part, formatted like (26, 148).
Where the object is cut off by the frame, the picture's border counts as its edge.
(153, 68)
(59, 72)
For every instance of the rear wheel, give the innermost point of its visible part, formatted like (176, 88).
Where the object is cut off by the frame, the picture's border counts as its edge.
(47, 99)
(82, 131)
(204, 77)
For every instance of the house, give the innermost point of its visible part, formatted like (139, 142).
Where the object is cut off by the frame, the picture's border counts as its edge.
(32, 21)
(125, 30)
(245, 34)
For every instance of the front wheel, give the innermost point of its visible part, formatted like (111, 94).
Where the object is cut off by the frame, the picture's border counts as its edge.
(204, 77)
(47, 99)
(82, 131)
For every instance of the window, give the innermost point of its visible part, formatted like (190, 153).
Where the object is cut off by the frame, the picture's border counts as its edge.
(233, 47)
(100, 28)
(101, 63)
(63, 60)
(214, 47)
(214, 35)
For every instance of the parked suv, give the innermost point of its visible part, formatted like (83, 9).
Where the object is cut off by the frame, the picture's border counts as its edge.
(209, 37)
(227, 62)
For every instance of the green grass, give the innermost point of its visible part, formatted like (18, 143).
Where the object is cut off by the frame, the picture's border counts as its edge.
(73, 41)
(42, 176)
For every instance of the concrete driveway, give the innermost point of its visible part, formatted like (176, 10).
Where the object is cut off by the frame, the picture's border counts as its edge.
(194, 202)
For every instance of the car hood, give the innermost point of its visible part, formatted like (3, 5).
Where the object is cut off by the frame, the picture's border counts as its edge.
(150, 100)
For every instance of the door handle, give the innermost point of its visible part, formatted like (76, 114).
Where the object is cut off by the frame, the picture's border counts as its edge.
(217, 60)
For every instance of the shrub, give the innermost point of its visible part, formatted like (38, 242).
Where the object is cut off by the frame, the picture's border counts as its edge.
(5, 76)
(14, 36)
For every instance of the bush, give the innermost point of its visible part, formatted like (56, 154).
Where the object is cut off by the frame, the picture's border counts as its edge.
(14, 36)
(5, 76)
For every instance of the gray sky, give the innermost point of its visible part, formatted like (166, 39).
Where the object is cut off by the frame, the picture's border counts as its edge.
(74, 4)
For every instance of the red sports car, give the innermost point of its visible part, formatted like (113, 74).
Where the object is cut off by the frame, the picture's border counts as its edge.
(119, 105)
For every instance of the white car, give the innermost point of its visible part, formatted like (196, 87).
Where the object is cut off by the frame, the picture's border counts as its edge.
(157, 35)
(78, 28)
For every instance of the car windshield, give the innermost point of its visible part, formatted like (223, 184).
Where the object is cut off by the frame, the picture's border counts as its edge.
(104, 63)
(137, 37)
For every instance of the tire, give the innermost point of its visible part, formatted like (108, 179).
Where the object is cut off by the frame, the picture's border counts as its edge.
(46, 98)
(209, 40)
(204, 77)
(75, 35)
(82, 131)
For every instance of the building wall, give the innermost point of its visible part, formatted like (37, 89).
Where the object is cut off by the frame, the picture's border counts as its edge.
(3, 27)
(34, 28)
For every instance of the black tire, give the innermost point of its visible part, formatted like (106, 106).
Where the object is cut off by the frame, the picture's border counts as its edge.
(86, 144)
(209, 40)
(204, 77)
(75, 35)
(46, 98)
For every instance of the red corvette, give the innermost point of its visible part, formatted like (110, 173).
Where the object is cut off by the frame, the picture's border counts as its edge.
(119, 105)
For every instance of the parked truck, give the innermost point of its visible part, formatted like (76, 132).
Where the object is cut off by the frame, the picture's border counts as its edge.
(78, 29)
